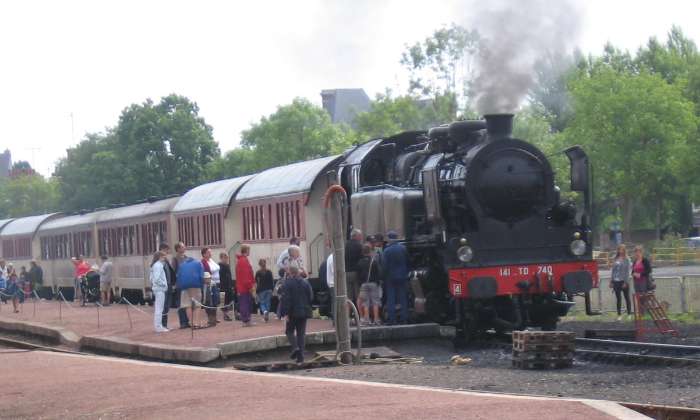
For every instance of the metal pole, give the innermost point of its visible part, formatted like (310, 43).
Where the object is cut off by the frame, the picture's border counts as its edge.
(337, 234)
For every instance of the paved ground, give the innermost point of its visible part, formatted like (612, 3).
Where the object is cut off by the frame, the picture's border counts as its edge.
(114, 321)
(50, 385)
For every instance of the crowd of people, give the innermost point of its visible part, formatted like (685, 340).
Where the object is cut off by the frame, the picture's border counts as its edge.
(376, 277)
(19, 286)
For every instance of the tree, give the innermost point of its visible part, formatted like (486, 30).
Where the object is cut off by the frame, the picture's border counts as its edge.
(164, 148)
(636, 128)
(28, 195)
(155, 150)
(441, 65)
(295, 132)
(21, 165)
(391, 115)
(549, 96)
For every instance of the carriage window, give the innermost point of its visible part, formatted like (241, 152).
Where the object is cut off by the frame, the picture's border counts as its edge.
(202, 230)
(8, 248)
(257, 222)
(288, 217)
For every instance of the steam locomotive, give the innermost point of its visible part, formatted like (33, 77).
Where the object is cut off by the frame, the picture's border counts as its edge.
(493, 244)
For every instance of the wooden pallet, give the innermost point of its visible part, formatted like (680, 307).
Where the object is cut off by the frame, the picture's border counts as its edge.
(543, 336)
(523, 346)
(542, 364)
(543, 356)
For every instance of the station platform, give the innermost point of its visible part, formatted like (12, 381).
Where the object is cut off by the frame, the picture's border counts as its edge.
(55, 385)
(128, 330)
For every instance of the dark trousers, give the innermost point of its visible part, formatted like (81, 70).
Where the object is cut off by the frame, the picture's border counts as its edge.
(229, 296)
(181, 312)
(166, 306)
(619, 290)
(245, 301)
(298, 325)
(396, 290)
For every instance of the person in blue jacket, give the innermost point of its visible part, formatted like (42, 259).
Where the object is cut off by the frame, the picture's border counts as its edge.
(190, 279)
(395, 266)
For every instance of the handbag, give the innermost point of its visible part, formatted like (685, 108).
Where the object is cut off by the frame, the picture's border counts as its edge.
(651, 283)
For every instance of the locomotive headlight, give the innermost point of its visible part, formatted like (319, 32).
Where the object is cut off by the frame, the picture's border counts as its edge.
(465, 253)
(578, 247)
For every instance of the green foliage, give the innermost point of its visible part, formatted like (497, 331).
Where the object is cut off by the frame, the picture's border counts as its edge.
(155, 150)
(440, 66)
(636, 127)
(391, 115)
(27, 195)
(295, 132)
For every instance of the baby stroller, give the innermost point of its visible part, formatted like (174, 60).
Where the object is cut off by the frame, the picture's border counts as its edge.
(89, 288)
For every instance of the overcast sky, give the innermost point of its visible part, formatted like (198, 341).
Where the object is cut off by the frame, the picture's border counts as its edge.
(237, 60)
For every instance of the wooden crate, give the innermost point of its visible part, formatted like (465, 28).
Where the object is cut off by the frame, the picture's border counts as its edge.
(542, 364)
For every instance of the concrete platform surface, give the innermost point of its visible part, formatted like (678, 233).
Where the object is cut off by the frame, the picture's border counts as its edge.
(114, 321)
(123, 329)
(52, 386)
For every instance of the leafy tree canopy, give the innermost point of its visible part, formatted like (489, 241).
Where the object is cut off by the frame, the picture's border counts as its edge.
(28, 195)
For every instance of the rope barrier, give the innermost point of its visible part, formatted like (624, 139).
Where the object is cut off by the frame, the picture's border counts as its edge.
(133, 306)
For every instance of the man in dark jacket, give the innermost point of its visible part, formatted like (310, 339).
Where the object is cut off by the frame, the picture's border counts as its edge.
(36, 276)
(226, 286)
(296, 307)
(353, 253)
(395, 266)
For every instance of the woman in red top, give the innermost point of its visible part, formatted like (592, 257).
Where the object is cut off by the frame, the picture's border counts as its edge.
(641, 269)
(245, 284)
(81, 269)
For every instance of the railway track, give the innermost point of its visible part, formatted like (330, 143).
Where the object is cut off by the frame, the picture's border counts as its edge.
(635, 353)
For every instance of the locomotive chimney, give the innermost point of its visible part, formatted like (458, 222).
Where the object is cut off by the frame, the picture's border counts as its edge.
(499, 125)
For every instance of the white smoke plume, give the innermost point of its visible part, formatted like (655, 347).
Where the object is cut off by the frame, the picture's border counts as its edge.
(515, 35)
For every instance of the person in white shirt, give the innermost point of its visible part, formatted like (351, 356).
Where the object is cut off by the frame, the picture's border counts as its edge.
(159, 285)
(330, 280)
(212, 295)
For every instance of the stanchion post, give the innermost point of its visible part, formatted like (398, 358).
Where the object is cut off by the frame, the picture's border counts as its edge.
(60, 306)
(98, 316)
(128, 314)
(192, 320)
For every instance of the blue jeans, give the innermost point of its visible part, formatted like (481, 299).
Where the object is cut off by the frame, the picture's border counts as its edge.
(264, 300)
(396, 289)
(215, 296)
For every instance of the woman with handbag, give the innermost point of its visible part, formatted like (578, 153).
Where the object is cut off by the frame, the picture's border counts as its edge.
(620, 281)
(641, 272)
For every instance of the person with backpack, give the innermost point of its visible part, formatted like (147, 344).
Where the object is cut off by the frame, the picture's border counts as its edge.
(369, 276)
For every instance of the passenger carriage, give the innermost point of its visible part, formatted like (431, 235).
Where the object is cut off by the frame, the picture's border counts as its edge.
(203, 218)
(19, 242)
(284, 202)
(62, 239)
(130, 236)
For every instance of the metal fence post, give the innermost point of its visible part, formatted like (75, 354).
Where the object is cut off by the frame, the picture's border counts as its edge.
(684, 297)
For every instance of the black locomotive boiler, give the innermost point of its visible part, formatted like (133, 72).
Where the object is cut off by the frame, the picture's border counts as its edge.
(492, 242)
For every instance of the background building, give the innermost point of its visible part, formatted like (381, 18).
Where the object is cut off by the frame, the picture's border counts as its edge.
(343, 104)
(5, 163)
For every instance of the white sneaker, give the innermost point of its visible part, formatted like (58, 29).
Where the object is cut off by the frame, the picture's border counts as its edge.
(162, 329)
(619, 317)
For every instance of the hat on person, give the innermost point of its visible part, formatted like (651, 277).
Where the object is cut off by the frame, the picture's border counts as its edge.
(207, 275)
(94, 267)
(392, 235)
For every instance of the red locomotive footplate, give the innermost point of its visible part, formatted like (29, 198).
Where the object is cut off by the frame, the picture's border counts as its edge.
(542, 278)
